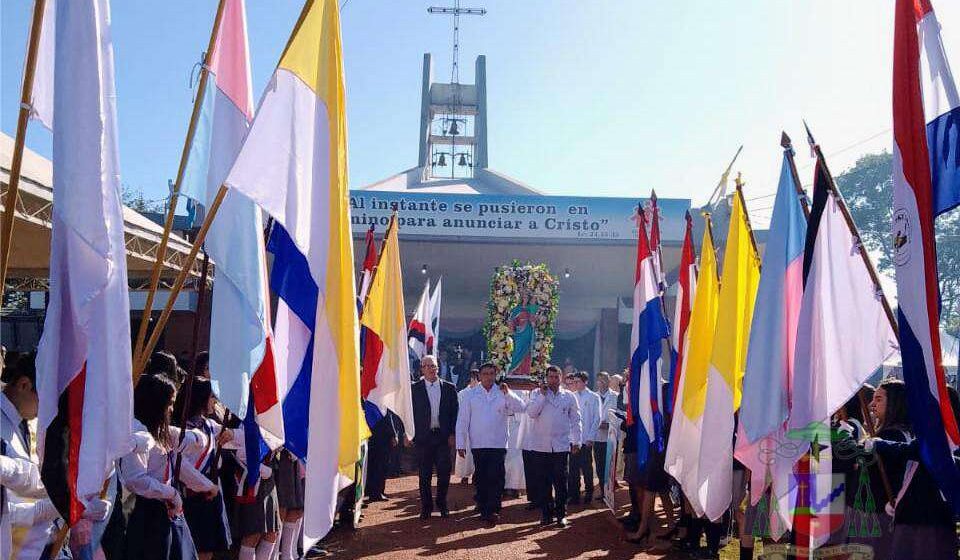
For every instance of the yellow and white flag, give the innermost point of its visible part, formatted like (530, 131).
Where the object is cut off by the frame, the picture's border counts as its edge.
(728, 360)
(683, 446)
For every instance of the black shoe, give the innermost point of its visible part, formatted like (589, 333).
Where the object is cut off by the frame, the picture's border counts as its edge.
(444, 512)
(563, 523)
(640, 539)
(546, 520)
(425, 514)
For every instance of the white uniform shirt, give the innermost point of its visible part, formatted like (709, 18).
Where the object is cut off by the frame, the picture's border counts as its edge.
(22, 509)
(433, 395)
(147, 470)
(483, 417)
(555, 421)
(609, 400)
(590, 406)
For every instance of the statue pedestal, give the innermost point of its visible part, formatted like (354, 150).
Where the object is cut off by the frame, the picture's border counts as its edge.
(523, 382)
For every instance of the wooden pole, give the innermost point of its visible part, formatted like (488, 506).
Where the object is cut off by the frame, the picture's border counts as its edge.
(188, 383)
(175, 194)
(746, 215)
(787, 145)
(26, 98)
(140, 360)
(723, 178)
(848, 218)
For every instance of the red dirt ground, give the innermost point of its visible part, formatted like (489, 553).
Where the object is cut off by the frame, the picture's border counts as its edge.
(392, 530)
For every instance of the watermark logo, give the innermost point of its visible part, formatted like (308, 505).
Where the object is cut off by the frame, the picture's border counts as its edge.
(816, 501)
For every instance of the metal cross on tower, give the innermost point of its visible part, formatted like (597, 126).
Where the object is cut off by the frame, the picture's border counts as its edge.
(455, 11)
(455, 115)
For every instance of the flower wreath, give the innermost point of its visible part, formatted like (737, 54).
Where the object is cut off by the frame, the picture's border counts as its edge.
(509, 285)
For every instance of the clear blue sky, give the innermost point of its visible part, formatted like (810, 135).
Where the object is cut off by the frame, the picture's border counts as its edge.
(587, 97)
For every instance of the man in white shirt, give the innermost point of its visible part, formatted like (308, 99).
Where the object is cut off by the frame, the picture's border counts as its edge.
(463, 466)
(31, 509)
(608, 400)
(554, 432)
(482, 421)
(581, 461)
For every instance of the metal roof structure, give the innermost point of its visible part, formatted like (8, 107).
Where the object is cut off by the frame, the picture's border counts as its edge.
(30, 256)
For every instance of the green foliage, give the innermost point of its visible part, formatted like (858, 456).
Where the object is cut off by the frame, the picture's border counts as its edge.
(134, 199)
(868, 190)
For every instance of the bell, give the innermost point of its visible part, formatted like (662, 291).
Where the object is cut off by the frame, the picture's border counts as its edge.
(463, 160)
(443, 161)
(454, 129)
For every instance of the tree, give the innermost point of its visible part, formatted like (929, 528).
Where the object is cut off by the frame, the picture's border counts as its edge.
(133, 198)
(868, 190)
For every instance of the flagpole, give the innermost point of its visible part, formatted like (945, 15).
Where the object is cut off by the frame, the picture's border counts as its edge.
(787, 145)
(848, 218)
(708, 223)
(723, 178)
(188, 383)
(175, 193)
(845, 211)
(653, 197)
(13, 184)
(746, 215)
(140, 360)
(376, 269)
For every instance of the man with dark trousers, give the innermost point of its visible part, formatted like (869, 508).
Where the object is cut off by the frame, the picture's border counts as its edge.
(383, 438)
(483, 421)
(554, 432)
(435, 410)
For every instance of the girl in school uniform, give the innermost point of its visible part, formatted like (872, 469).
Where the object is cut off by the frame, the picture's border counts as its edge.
(204, 509)
(256, 516)
(290, 494)
(156, 529)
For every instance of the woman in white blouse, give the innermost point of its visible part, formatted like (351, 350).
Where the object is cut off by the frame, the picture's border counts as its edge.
(203, 504)
(156, 529)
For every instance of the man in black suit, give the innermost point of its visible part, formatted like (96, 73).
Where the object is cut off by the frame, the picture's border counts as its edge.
(435, 409)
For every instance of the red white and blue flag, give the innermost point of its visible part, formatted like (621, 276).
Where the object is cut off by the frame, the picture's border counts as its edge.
(655, 245)
(686, 287)
(926, 180)
(242, 363)
(646, 347)
(419, 329)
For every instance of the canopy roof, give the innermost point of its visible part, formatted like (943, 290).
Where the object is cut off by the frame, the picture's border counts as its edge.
(30, 256)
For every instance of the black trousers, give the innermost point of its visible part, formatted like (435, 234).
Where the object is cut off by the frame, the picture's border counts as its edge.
(581, 465)
(378, 464)
(433, 453)
(531, 477)
(600, 459)
(551, 470)
(489, 476)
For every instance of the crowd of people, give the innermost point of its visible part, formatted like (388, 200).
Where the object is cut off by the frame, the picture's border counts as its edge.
(890, 505)
(183, 492)
(178, 494)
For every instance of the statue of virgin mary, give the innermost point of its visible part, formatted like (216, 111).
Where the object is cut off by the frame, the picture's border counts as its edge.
(522, 321)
